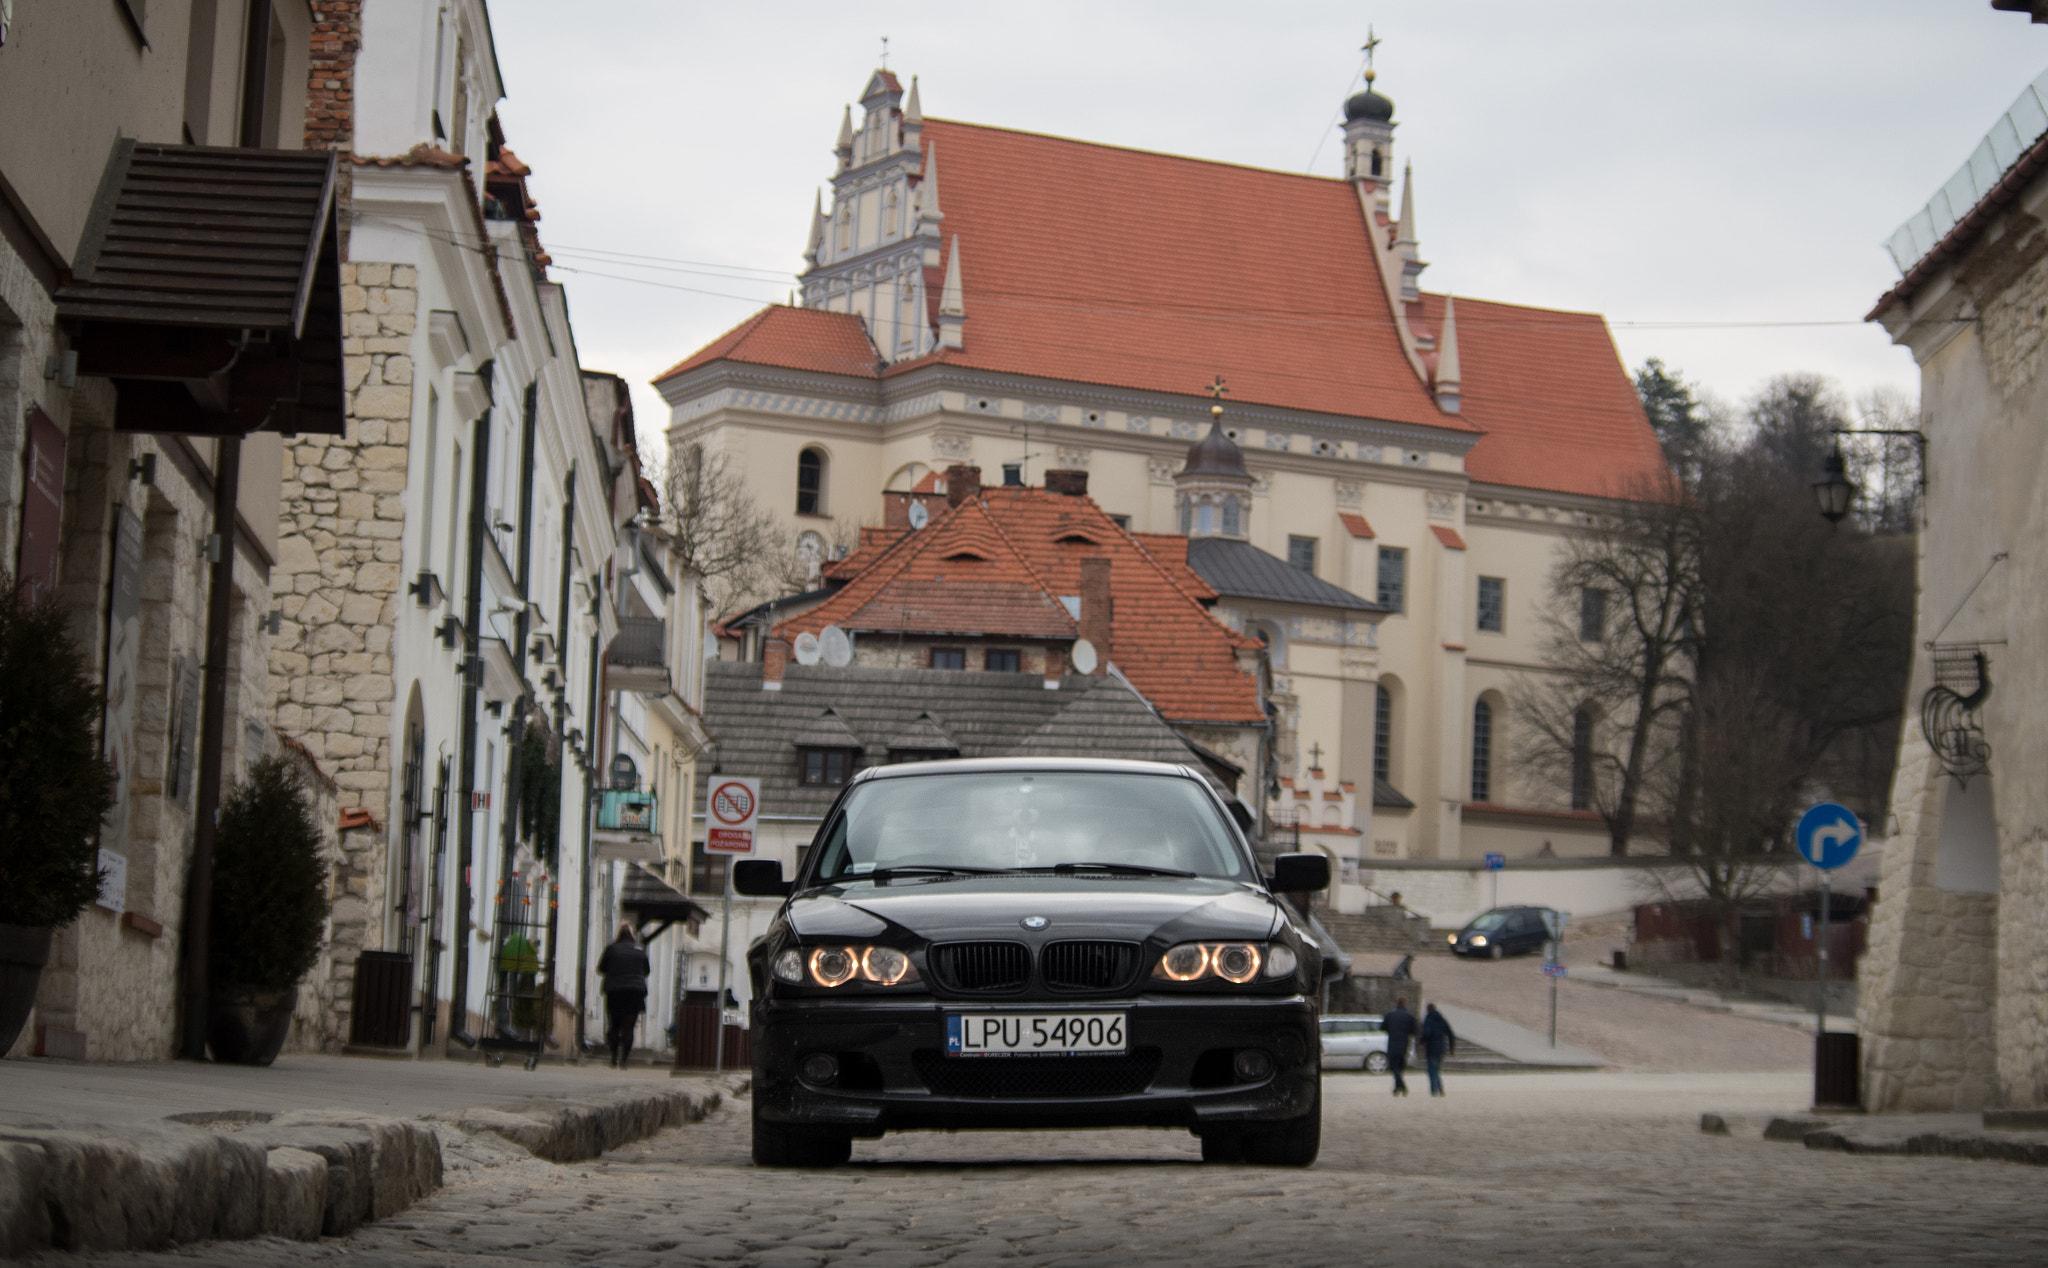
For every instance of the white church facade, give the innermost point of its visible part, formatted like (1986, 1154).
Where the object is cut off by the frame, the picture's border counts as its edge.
(1005, 299)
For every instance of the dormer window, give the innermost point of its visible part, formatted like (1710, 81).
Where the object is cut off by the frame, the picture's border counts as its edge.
(825, 767)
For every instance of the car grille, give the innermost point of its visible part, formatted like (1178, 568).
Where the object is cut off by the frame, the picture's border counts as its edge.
(1018, 1078)
(982, 966)
(1087, 966)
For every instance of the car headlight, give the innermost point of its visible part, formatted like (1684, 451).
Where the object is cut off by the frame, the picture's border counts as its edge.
(1454, 939)
(836, 966)
(1478, 939)
(1234, 962)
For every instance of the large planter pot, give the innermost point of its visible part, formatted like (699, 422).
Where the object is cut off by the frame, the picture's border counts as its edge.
(24, 950)
(245, 1027)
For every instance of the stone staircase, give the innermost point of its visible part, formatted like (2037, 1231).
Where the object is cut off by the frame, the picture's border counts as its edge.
(1378, 929)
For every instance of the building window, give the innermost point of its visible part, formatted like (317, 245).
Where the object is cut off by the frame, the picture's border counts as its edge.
(1233, 520)
(1301, 552)
(1187, 515)
(707, 870)
(1000, 660)
(1582, 760)
(1382, 734)
(1393, 578)
(1122, 521)
(810, 482)
(1592, 615)
(949, 658)
(1492, 595)
(1482, 751)
(1205, 519)
(825, 767)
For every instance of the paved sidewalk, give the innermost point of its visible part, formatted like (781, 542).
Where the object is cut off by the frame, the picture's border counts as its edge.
(1757, 1008)
(1517, 1043)
(66, 1093)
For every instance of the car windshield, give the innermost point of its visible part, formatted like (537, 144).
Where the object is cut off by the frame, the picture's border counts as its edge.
(1489, 922)
(1004, 821)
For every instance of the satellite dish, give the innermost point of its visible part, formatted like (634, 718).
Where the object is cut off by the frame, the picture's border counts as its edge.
(807, 648)
(919, 517)
(1083, 656)
(836, 647)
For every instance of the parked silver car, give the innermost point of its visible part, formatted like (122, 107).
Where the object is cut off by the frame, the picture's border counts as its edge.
(1355, 1042)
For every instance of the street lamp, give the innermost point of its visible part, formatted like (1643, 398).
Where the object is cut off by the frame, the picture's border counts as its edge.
(1833, 490)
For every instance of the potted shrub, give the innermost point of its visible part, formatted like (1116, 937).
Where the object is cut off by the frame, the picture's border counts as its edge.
(269, 911)
(54, 786)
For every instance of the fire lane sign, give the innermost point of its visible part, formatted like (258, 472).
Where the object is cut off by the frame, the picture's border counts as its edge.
(734, 803)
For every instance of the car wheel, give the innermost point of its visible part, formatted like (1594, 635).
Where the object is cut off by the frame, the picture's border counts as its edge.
(780, 1145)
(1223, 1147)
(1376, 1063)
(1499, 950)
(1293, 1143)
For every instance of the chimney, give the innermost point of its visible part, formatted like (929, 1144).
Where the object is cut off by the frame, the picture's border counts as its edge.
(774, 658)
(1055, 667)
(1098, 609)
(962, 483)
(1073, 484)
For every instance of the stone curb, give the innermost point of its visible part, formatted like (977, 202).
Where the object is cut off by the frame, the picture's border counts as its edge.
(2030, 1148)
(301, 1175)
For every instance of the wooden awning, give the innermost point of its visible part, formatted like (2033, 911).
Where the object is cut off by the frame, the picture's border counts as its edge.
(653, 904)
(208, 287)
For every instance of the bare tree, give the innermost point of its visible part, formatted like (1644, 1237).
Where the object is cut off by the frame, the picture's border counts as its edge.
(718, 530)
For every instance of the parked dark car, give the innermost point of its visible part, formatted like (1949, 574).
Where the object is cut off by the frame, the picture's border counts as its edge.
(1035, 943)
(1504, 931)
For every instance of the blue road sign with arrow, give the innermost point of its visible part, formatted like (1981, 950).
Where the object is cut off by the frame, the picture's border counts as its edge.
(1829, 835)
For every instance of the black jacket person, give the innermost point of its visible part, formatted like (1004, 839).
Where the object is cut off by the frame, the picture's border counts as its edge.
(1437, 1038)
(625, 968)
(1399, 1024)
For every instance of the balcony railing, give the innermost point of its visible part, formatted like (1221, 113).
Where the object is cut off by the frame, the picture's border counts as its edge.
(637, 659)
(626, 826)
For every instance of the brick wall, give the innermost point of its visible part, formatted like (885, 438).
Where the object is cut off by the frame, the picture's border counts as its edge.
(330, 79)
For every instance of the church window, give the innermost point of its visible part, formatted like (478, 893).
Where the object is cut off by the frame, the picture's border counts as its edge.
(1232, 523)
(810, 483)
(1301, 553)
(1482, 751)
(1393, 578)
(1592, 615)
(1382, 733)
(1187, 514)
(1375, 161)
(1582, 760)
(1492, 595)
(845, 227)
(1205, 518)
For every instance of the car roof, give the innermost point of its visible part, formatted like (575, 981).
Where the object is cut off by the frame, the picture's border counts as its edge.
(998, 765)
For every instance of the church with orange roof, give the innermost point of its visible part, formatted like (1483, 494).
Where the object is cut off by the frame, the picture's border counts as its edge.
(1068, 311)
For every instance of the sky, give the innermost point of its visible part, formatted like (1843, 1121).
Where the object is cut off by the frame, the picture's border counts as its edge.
(1715, 178)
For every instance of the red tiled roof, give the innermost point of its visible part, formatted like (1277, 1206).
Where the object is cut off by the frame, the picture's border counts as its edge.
(1355, 524)
(1558, 408)
(791, 338)
(1448, 536)
(1162, 639)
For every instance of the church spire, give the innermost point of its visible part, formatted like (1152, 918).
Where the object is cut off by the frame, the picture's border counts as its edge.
(845, 147)
(952, 311)
(928, 213)
(913, 110)
(1447, 358)
(817, 226)
(1407, 236)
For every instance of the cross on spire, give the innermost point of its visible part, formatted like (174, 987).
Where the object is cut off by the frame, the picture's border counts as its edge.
(1315, 757)
(1372, 43)
(885, 49)
(1217, 389)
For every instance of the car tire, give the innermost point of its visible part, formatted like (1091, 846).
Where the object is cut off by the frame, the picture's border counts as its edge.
(1376, 1063)
(1499, 951)
(1293, 1143)
(1223, 1147)
(780, 1145)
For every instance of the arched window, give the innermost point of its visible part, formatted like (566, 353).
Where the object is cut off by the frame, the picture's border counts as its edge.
(1205, 518)
(810, 482)
(1582, 760)
(1187, 514)
(1375, 161)
(1382, 732)
(1482, 751)
(1232, 525)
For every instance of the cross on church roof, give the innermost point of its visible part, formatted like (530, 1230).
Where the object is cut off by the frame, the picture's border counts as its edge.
(1217, 389)
(1315, 757)
(1371, 45)
(885, 49)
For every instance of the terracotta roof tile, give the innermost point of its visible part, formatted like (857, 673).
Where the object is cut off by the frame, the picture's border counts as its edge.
(791, 338)
(1355, 524)
(1448, 536)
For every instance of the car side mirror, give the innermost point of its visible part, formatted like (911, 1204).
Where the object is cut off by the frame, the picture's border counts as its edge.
(760, 878)
(1301, 873)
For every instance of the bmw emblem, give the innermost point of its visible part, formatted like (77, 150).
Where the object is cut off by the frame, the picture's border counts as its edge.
(1034, 922)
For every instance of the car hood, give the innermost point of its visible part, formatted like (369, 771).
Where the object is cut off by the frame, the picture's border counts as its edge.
(1166, 908)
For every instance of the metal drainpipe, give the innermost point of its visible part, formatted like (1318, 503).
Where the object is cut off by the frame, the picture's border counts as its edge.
(590, 772)
(515, 728)
(472, 682)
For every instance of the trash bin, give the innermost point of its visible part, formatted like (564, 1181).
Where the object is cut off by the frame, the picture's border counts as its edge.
(1837, 1066)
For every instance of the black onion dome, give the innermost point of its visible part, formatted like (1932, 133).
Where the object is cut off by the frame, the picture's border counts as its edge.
(1215, 454)
(1368, 105)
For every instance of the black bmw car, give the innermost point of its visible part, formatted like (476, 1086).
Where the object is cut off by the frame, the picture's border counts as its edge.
(1034, 943)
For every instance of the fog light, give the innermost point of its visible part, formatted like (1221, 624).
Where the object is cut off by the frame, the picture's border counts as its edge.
(821, 1068)
(1253, 1064)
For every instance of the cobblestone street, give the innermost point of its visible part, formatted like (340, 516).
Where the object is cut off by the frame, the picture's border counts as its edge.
(1537, 1168)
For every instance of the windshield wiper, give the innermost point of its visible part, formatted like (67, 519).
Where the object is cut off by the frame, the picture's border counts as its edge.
(924, 869)
(1121, 869)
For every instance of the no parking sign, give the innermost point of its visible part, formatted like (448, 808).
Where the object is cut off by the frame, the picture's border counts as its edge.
(734, 805)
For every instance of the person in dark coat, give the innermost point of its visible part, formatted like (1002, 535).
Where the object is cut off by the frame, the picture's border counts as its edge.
(624, 968)
(1437, 1039)
(1399, 1024)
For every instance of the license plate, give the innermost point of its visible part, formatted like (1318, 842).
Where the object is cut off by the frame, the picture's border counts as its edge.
(1033, 1034)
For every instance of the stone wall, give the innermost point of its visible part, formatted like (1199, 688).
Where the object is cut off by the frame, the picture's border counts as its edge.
(339, 585)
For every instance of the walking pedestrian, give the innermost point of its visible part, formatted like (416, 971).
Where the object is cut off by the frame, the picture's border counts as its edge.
(624, 968)
(1437, 1039)
(1399, 1024)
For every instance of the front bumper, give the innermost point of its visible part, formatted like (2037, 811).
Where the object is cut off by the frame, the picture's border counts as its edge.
(1177, 1072)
